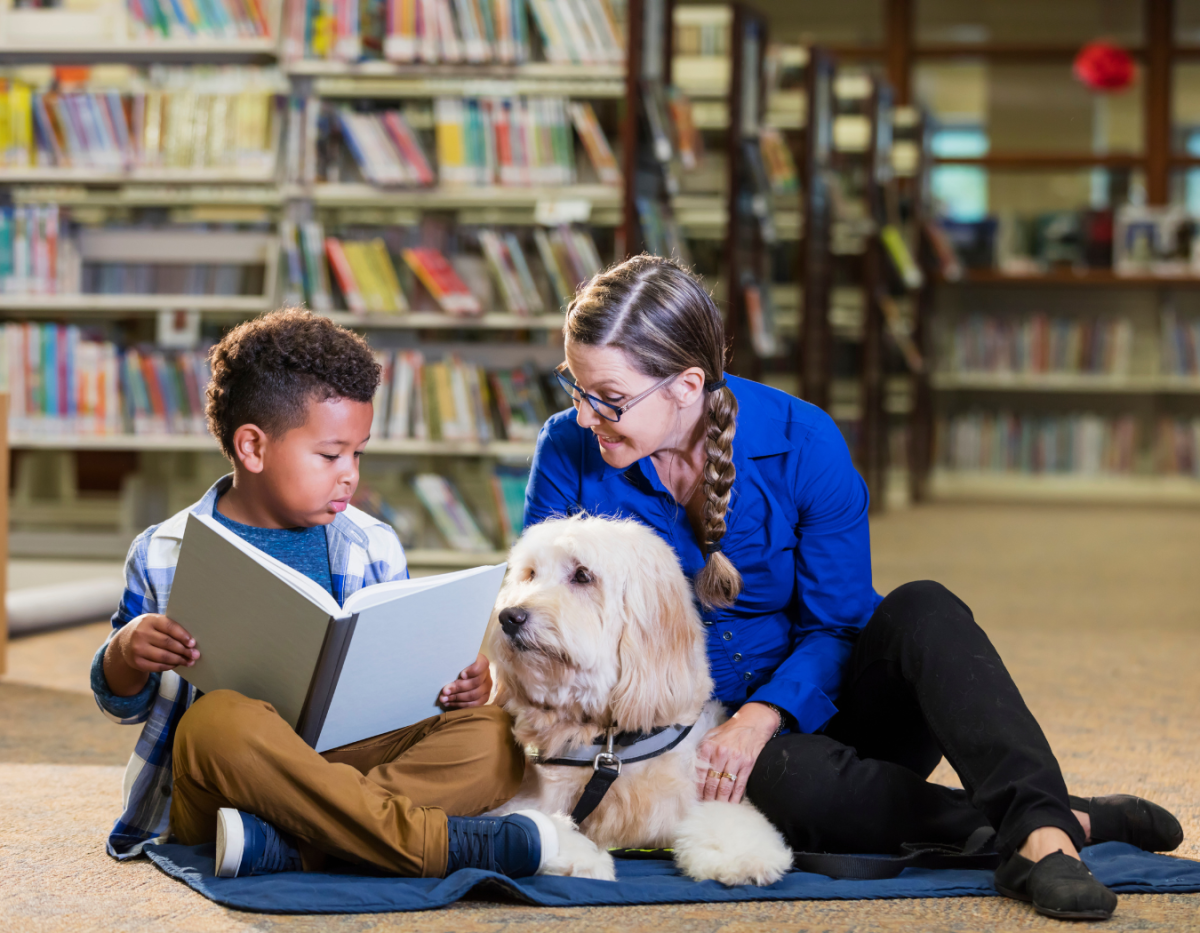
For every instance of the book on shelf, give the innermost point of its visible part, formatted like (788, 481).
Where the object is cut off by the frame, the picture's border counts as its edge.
(439, 277)
(366, 276)
(506, 141)
(38, 254)
(760, 317)
(64, 380)
(778, 162)
(689, 142)
(582, 32)
(1180, 350)
(506, 260)
(164, 118)
(508, 484)
(1005, 441)
(949, 266)
(335, 673)
(900, 257)
(1151, 240)
(660, 231)
(152, 20)
(595, 143)
(385, 148)
(302, 139)
(450, 513)
(570, 258)
(1040, 344)
(454, 400)
(1178, 446)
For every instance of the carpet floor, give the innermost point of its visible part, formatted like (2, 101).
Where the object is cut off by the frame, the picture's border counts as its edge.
(1094, 610)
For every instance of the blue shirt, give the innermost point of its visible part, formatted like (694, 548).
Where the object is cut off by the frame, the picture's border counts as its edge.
(796, 531)
(303, 549)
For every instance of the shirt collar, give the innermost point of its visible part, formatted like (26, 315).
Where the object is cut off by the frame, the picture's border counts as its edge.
(757, 435)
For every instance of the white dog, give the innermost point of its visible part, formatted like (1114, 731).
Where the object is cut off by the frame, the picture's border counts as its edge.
(595, 629)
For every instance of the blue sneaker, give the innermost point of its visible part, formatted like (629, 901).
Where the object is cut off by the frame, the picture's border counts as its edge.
(517, 845)
(247, 845)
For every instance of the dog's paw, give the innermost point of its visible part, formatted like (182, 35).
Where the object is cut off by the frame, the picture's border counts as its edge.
(578, 856)
(731, 843)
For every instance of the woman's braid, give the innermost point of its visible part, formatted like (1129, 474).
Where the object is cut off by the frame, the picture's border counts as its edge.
(718, 583)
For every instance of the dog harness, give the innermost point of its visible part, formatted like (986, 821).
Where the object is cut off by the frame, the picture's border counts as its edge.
(614, 750)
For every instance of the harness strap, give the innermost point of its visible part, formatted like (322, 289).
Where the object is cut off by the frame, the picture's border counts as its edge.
(597, 786)
(977, 853)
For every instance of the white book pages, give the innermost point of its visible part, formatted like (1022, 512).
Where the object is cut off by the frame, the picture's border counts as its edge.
(411, 638)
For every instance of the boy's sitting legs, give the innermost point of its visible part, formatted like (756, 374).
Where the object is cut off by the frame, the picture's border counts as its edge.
(382, 802)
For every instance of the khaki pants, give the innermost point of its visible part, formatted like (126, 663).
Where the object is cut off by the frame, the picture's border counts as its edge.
(381, 802)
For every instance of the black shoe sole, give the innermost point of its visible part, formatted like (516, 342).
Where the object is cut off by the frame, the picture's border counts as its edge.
(1056, 914)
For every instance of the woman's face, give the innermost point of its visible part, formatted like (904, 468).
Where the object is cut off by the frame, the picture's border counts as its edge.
(655, 423)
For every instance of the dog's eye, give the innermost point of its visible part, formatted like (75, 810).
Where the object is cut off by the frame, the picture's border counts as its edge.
(582, 575)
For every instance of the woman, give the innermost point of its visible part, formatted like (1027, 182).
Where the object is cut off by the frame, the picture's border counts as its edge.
(843, 701)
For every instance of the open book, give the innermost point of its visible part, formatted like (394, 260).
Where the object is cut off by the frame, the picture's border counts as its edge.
(336, 674)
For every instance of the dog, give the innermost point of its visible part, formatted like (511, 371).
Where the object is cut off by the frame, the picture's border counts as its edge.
(594, 629)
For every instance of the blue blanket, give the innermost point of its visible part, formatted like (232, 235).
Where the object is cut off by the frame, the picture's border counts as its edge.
(1122, 867)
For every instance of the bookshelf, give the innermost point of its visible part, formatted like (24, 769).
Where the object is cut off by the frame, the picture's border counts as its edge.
(53, 511)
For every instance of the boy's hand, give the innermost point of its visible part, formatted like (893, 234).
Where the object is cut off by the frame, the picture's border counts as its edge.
(473, 687)
(151, 642)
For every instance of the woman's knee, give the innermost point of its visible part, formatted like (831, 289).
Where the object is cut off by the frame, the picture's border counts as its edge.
(923, 607)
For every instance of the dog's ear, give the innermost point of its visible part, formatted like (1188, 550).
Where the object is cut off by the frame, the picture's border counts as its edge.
(664, 671)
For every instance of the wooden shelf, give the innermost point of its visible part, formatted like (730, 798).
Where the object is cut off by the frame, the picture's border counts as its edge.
(203, 442)
(101, 305)
(152, 51)
(81, 195)
(1010, 51)
(389, 80)
(1063, 487)
(141, 176)
(1061, 382)
(447, 198)
(1090, 277)
(1041, 161)
(435, 321)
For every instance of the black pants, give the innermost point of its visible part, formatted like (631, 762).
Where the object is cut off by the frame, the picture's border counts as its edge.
(923, 681)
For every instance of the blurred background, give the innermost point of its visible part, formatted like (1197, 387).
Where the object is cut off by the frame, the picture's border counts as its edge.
(966, 230)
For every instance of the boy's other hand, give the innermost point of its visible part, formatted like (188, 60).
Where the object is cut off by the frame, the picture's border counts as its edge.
(149, 643)
(473, 687)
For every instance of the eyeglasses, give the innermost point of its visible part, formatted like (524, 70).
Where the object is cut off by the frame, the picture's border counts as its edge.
(605, 410)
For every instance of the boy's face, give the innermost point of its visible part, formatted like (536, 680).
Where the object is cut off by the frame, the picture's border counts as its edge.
(309, 474)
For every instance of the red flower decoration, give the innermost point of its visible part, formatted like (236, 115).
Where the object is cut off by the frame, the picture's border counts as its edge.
(1103, 66)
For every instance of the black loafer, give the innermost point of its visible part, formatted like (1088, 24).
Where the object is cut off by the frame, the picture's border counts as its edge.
(1125, 818)
(1058, 886)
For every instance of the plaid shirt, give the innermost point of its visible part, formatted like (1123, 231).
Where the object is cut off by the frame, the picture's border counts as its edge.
(362, 552)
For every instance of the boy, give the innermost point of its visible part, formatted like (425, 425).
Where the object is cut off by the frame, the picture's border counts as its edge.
(290, 404)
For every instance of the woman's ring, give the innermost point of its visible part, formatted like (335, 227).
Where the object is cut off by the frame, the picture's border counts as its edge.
(723, 774)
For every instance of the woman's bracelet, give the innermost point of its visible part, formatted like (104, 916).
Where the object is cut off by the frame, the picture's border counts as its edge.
(783, 718)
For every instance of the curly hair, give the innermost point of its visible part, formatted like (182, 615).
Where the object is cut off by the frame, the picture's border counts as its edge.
(266, 371)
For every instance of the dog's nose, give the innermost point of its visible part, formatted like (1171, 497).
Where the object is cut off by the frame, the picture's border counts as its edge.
(512, 618)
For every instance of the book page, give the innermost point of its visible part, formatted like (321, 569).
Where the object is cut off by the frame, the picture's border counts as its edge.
(385, 592)
(405, 649)
(258, 633)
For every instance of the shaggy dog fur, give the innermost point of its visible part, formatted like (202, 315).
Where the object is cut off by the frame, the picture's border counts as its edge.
(613, 637)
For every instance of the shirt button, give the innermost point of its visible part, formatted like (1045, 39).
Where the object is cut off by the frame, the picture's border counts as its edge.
(738, 656)
(747, 675)
(728, 636)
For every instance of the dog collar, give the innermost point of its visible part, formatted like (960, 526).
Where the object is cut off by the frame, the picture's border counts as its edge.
(625, 748)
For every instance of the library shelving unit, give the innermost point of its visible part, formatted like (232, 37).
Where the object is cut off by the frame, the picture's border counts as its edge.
(168, 470)
(750, 229)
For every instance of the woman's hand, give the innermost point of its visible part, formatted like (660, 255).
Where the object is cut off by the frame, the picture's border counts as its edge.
(732, 748)
(473, 687)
